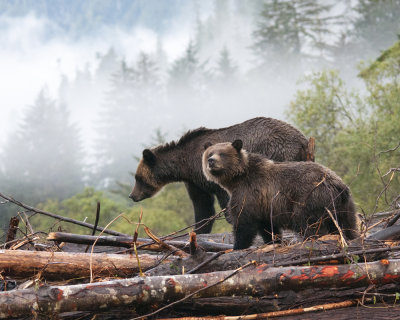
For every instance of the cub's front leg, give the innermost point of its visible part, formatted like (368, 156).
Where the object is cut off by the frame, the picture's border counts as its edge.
(244, 230)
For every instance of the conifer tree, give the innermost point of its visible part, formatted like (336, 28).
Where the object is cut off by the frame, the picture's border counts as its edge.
(287, 29)
(134, 93)
(376, 25)
(226, 69)
(43, 157)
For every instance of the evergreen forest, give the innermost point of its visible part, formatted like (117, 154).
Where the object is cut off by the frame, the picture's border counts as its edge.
(330, 68)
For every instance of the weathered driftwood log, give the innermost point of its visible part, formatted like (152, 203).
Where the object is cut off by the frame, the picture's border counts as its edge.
(389, 233)
(155, 291)
(310, 252)
(62, 265)
(127, 242)
(284, 300)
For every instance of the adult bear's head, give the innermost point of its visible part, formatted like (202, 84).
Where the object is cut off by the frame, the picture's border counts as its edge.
(147, 183)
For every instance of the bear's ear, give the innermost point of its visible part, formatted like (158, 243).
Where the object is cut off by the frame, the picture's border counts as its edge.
(237, 144)
(149, 157)
(207, 144)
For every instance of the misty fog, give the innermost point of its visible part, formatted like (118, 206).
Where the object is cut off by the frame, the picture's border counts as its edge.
(123, 81)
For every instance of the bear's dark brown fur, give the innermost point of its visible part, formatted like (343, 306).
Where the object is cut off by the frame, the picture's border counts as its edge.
(181, 161)
(267, 196)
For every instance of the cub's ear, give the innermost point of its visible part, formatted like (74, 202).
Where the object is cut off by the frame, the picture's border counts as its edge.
(207, 144)
(149, 157)
(237, 144)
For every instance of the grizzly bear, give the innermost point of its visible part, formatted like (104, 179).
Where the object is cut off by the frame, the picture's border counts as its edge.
(181, 161)
(266, 197)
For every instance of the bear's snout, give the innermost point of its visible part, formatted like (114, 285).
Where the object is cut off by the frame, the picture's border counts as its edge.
(211, 162)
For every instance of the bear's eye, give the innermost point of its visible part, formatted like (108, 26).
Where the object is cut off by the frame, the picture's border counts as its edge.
(211, 154)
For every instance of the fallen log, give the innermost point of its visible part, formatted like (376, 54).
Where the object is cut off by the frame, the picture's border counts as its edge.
(310, 252)
(62, 265)
(151, 292)
(389, 233)
(141, 243)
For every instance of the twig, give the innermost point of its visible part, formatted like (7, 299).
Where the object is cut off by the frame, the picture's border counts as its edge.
(95, 222)
(391, 170)
(380, 221)
(178, 252)
(26, 221)
(135, 236)
(390, 150)
(23, 242)
(25, 237)
(91, 251)
(61, 218)
(197, 291)
(272, 225)
(394, 219)
(213, 257)
(282, 313)
(206, 221)
(342, 240)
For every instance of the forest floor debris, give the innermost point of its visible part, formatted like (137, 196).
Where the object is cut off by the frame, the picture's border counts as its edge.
(189, 276)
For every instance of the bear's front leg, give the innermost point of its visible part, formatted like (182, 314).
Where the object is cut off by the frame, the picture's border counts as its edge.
(203, 205)
(244, 231)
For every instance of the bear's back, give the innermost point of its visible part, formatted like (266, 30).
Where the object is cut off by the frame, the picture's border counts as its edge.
(275, 139)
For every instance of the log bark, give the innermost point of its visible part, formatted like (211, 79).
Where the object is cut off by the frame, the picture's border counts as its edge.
(321, 251)
(127, 242)
(62, 265)
(154, 291)
(389, 233)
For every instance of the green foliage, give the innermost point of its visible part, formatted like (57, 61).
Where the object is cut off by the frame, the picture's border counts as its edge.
(323, 110)
(168, 211)
(82, 207)
(357, 136)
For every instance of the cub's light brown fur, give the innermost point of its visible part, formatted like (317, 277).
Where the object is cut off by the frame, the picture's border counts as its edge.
(291, 195)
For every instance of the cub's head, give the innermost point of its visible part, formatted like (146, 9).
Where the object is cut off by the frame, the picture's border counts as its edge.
(147, 184)
(223, 162)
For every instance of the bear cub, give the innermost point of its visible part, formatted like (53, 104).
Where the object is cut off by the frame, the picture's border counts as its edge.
(266, 197)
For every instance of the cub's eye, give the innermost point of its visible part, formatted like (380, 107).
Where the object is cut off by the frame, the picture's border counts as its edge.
(211, 154)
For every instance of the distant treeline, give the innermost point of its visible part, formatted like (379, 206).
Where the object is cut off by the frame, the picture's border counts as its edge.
(236, 55)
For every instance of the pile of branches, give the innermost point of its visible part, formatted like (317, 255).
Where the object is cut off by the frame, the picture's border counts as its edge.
(188, 276)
